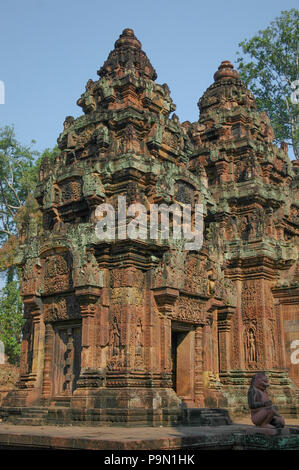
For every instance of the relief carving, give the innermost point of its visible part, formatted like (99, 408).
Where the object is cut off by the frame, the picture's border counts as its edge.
(250, 347)
(61, 308)
(189, 310)
(139, 346)
(250, 297)
(57, 273)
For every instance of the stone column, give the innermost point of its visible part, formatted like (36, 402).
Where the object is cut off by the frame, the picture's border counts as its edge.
(88, 345)
(25, 345)
(165, 298)
(198, 368)
(224, 324)
(33, 344)
(48, 361)
(38, 344)
(166, 352)
(89, 375)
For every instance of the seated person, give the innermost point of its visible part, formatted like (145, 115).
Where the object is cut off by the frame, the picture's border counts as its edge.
(263, 413)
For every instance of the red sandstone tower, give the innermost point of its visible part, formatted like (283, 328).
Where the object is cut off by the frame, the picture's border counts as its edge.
(137, 330)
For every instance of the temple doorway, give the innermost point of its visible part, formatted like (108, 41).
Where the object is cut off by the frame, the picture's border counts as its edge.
(67, 358)
(182, 356)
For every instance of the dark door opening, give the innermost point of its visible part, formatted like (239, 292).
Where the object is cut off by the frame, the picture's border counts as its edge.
(67, 358)
(182, 357)
(176, 339)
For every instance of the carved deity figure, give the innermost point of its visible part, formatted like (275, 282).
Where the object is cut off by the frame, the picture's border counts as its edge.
(138, 339)
(91, 268)
(115, 338)
(251, 346)
(263, 413)
(130, 142)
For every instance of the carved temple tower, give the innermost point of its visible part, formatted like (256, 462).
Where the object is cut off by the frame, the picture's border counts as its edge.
(255, 226)
(135, 330)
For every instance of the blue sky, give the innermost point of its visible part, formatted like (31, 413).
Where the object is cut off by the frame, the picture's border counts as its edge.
(49, 49)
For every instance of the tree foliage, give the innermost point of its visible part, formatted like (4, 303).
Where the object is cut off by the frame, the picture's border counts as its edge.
(19, 168)
(268, 63)
(18, 176)
(11, 320)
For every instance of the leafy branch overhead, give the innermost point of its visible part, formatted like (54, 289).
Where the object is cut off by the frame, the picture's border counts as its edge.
(11, 320)
(269, 65)
(19, 167)
(18, 176)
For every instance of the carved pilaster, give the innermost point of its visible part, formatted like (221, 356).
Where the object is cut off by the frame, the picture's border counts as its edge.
(224, 324)
(198, 368)
(48, 362)
(88, 345)
(165, 352)
(32, 344)
(90, 376)
(165, 298)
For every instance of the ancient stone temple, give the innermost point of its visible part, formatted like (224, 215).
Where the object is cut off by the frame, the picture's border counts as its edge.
(138, 330)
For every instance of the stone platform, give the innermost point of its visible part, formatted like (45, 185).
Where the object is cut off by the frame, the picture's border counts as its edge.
(236, 436)
(67, 416)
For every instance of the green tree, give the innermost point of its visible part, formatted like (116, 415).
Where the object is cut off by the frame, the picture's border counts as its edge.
(11, 320)
(268, 63)
(18, 176)
(19, 168)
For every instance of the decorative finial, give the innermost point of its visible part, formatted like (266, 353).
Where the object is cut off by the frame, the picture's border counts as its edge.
(127, 56)
(225, 71)
(128, 39)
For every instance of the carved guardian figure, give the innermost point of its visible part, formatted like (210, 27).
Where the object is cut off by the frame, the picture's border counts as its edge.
(263, 413)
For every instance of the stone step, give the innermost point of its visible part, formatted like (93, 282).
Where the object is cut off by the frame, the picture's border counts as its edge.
(63, 402)
(34, 412)
(28, 421)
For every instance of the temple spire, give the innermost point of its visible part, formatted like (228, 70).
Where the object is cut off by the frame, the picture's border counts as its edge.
(127, 39)
(227, 91)
(225, 71)
(128, 56)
